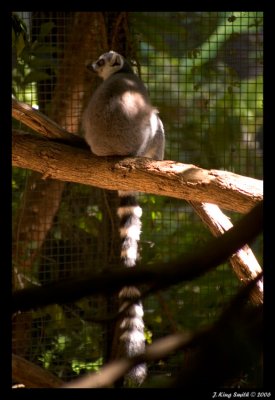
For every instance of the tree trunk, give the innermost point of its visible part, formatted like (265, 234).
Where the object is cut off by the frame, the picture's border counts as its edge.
(41, 197)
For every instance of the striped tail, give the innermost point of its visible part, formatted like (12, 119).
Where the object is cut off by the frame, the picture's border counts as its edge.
(131, 326)
(129, 214)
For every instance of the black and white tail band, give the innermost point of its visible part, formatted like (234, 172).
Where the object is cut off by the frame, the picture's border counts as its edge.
(129, 214)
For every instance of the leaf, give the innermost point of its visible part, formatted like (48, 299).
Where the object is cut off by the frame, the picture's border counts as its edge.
(36, 76)
(18, 25)
(42, 63)
(45, 30)
(13, 38)
(43, 49)
(20, 44)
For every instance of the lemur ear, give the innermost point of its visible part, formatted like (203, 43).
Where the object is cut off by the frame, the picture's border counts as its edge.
(116, 60)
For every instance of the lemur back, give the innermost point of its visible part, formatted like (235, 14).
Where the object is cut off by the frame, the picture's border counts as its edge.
(120, 120)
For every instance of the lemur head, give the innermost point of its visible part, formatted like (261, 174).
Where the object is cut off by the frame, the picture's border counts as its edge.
(108, 64)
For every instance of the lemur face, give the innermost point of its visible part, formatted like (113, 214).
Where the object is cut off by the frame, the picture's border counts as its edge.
(107, 64)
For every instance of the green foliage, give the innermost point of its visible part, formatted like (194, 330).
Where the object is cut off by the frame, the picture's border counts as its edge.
(74, 345)
(31, 59)
(19, 34)
(215, 114)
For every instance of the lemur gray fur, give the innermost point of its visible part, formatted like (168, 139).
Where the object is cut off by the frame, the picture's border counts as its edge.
(120, 120)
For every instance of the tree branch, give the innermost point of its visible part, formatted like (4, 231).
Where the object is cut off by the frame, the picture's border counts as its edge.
(32, 376)
(221, 332)
(243, 262)
(37, 121)
(166, 178)
(234, 315)
(187, 267)
(114, 370)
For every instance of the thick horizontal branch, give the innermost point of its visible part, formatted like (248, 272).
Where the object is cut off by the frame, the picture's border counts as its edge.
(167, 178)
(187, 267)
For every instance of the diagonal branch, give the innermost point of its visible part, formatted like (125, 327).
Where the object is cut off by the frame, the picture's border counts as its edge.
(37, 121)
(222, 331)
(31, 375)
(243, 261)
(187, 267)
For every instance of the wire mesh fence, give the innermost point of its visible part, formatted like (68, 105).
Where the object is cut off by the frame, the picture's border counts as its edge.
(204, 73)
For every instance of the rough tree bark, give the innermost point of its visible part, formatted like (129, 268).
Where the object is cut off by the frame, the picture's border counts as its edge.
(167, 178)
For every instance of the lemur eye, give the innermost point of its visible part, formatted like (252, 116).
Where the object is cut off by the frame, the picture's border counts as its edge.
(100, 62)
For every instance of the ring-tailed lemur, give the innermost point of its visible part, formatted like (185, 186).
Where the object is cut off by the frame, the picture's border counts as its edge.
(120, 120)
